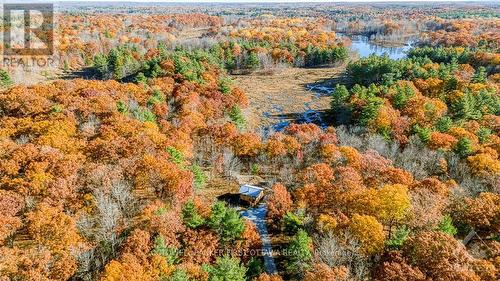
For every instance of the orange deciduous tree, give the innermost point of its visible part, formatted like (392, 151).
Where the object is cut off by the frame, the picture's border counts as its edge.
(395, 267)
(51, 227)
(247, 145)
(279, 202)
(322, 272)
(10, 205)
(267, 277)
(439, 256)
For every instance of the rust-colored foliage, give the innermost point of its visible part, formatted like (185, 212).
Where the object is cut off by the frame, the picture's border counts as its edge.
(323, 272)
(279, 202)
(247, 145)
(199, 246)
(50, 227)
(396, 267)
(439, 256)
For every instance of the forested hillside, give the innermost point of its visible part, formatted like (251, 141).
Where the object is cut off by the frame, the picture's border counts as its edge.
(128, 165)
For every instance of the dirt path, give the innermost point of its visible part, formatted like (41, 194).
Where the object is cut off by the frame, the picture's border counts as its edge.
(257, 215)
(278, 99)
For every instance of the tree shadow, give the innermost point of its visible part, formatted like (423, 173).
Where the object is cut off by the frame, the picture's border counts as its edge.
(328, 82)
(87, 73)
(318, 117)
(232, 199)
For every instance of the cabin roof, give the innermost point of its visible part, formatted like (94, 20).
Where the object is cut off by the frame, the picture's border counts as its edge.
(250, 190)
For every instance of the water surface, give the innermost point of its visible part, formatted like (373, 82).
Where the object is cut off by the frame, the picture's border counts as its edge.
(364, 47)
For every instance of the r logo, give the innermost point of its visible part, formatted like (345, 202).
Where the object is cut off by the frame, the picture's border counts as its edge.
(28, 29)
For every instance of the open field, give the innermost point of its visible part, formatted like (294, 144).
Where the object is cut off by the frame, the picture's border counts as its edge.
(284, 96)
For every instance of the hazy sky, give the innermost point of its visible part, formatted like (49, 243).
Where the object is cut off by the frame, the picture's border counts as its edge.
(256, 1)
(239, 1)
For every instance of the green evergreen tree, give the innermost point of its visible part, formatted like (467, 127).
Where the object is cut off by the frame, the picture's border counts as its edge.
(199, 176)
(160, 248)
(144, 115)
(463, 147)
(339, 96)
(5, 79)
(484, 134)
(122, 107)
(444, 124)
(252, 62)
(226, 269)
(179, 275)
(370, 110)
(423, 133)
(175, 155)
(141, 78)
(403, 94)
(446, 226)
(466, 107)
(255, 268)
(117, 63)
(190, 215)
(292, 222)
(101, 65)
(299, 253)
(227, 222)
(224, 84)
(237, 117)
(156, 97)
(480, 75)
(398, 238)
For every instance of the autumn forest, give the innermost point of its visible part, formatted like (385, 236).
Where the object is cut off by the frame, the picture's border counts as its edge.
(371, 132)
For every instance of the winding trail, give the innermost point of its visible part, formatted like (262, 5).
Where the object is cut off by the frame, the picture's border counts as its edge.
(257, 215)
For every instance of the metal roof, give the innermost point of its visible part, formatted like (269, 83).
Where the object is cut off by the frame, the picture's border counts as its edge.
(250, 190)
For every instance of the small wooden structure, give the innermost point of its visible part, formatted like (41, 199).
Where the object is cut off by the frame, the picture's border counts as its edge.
(251, 194)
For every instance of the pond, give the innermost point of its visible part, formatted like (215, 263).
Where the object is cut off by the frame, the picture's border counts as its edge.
(365, 47)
